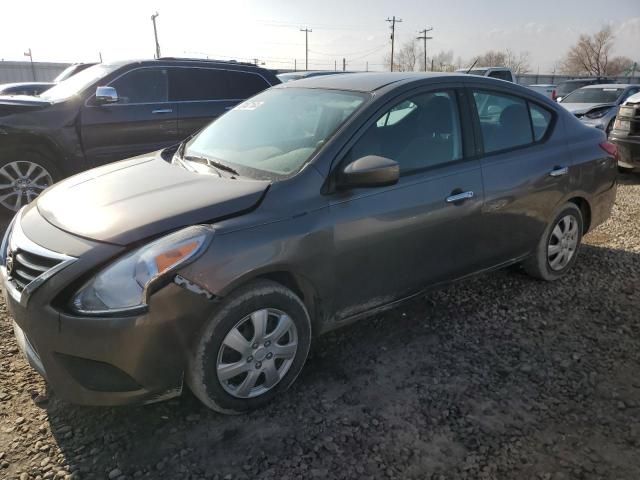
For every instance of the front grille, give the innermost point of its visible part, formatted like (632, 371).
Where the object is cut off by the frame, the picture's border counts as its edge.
(26, 264)
(27, 267)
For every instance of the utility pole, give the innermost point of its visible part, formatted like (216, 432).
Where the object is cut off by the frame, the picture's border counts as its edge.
(33, 68)
(155, 33)
(393, 22)
(335, 65)
(424, 38)
(367, 67)
(344, 64)
(295, 64)
(100, 56)
(306, 46)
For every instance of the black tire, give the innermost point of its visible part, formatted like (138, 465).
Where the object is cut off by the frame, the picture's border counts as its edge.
(625, 169)
(538, 265)
(202, 375)
(39, 157)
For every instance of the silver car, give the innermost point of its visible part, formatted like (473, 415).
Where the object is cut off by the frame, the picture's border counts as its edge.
(597, 105)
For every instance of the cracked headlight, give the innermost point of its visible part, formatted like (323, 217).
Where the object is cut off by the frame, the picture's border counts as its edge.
(123, 285)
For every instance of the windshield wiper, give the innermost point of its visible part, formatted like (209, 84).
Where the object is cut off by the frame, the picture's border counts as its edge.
(211, 163)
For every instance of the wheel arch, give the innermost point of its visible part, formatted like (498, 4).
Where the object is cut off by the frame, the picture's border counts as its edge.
(40, 144)
(294, 281)
(585, 207)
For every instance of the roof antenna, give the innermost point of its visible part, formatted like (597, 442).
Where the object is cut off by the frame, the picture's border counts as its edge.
(473, 65)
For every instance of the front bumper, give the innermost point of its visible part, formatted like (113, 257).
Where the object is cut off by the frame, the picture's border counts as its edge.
(114, 360)
(104, 360)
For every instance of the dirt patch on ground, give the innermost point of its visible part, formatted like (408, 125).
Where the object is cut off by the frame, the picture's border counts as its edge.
(500, 376)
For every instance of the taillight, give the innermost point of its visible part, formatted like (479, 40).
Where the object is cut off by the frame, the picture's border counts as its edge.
(610, 148)
(554, 95)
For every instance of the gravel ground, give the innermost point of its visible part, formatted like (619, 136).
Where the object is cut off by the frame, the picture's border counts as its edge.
(499, 376)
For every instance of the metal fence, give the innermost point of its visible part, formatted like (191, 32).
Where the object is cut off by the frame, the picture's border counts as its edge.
(26, 72)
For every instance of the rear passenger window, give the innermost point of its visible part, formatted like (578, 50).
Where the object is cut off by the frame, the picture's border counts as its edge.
(418, 133)
(193, 84)
(540, 120)
(504, 121)
(244, 85)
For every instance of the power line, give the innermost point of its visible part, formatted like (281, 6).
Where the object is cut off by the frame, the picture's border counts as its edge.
(393, 22)
(425, 38)
(306, 46)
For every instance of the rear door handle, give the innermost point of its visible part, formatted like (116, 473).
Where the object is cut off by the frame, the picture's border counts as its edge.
(162, 110)
(459, 197)
(559, 171)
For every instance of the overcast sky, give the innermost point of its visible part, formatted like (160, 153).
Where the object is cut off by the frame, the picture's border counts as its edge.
(59, 30)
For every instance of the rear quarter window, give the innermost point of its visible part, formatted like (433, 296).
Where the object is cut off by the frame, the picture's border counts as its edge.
(245, 84)
(540, 121)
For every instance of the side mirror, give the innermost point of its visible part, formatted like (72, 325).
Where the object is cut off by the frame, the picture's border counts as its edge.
(106, 95)
(369, 171)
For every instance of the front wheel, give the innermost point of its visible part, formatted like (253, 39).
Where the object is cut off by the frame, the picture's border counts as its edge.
(252, 348)
(24, 174)
(558, 247)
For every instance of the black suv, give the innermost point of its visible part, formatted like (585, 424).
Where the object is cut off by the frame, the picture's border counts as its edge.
(113, 111)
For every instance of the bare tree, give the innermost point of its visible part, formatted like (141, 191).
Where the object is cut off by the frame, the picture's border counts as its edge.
(405, 58)
(442, 61)
(591, 54)
(518, 63)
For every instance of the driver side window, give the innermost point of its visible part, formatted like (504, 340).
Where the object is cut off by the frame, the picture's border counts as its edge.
(144, 85)
(419, 133)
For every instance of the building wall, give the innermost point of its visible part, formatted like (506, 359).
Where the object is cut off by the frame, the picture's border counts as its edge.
(23, 72)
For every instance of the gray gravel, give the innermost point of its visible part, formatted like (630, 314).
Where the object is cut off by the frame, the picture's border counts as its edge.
(497, 377)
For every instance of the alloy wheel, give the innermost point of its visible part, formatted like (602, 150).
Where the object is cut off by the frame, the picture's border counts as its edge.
(563, 242)
(257, 353)
(22, 181)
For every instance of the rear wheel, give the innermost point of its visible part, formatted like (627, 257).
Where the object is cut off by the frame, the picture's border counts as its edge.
(252, 348)
(24, 174)
(558, 248)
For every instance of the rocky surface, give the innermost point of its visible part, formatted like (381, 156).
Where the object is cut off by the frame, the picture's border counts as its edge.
(500, 376)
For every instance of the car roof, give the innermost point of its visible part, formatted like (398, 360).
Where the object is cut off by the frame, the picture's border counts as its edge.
(612, 85)
(576, 80)
(366, 82)
(183, 61)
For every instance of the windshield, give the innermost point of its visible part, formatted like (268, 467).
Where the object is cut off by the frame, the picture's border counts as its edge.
(594, 95)
(568, 87)
(77, 83)
(275, 132)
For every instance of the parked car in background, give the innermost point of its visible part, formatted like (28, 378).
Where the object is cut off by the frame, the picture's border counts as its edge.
(597, 105)
(36, 88)
(305, 208)
(626, 134)
(289, 76)
(112, 111)
(565, 88)
(25, 88)
(501, 73)
(546, 89)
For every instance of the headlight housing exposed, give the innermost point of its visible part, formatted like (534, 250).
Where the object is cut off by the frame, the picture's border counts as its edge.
(122, 286)
(598, 112)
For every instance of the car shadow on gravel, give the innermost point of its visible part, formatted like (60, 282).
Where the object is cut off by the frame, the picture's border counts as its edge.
(500, 376)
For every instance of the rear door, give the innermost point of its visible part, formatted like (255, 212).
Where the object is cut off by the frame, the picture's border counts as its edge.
(203, 94)
(525, 167)
(392, 241)
(143, 119)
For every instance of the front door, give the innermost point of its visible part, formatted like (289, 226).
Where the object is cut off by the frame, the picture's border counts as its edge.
(393, 241)
(143, 119)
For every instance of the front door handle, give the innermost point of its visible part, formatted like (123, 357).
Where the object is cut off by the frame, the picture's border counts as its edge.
(558, 171)
(459, 197)
(162, 110)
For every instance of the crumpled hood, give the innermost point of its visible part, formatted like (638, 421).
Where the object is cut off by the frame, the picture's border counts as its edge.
(127, 201)
(20, 103)
(582, 108)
